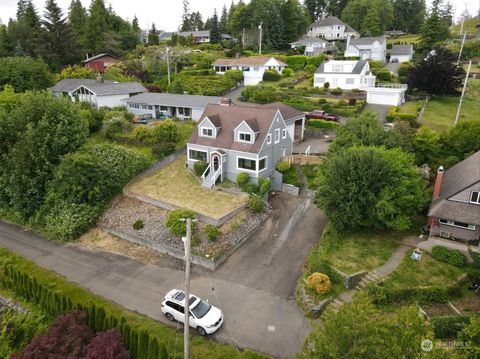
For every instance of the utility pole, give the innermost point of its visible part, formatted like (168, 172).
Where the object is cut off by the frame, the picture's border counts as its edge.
(168, 65)
(186, 329)
(461, 48)
(260, 39)
(243, 38)
(463, 93)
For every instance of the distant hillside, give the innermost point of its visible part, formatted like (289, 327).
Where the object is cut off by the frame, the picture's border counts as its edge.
(469, 26)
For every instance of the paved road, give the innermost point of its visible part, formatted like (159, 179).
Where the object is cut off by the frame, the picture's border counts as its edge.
(254, 287)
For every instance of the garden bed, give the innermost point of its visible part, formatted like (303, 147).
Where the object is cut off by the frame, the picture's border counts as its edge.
(125, 211)
(470, 304)
(437, 309)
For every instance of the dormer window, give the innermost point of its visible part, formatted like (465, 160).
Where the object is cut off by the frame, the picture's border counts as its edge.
(475, 197)
(245, 137)
(207, 132)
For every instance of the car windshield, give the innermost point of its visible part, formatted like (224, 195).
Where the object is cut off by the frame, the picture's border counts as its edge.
(201, 309)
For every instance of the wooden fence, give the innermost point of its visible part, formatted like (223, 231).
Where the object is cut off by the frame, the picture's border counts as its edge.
(303, 159)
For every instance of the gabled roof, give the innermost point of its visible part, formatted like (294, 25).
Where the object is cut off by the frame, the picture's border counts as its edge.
(401, 49)
(367, 40)
(200, 33)
(171, 99)
(329, 21)
(99, 88)
(258, 118)
(246, 61)
(348, 28)
(287, 112)
(308, 39)
(357, 69)
(99, 56)
(461, 176)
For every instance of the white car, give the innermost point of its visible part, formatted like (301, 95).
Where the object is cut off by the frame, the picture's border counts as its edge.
(204, 317)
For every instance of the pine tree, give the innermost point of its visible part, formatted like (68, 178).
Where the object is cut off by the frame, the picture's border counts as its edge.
(275, 30)
(335, 7)
(21, 7)
(135, 26)
(59, 43)
(295, 19)
(196, 21)
(25, 33)
(77, 18)
(215, 35)
(186, 19)
(6, 46)
(409, 15)
(153, 36)
(316, 8)
(434, 30)
(222, 25)
(96, 26)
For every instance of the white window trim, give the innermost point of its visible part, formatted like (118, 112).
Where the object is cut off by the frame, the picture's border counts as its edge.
(207, 128)
(269, 139)
(245, 133)
(478, 197)
(193, 159)
(471, 227)
(277, 130)
(266, 164)
(245, 169)
(284, 133)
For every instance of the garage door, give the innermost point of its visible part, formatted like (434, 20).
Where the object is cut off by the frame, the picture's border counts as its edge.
(386, 98)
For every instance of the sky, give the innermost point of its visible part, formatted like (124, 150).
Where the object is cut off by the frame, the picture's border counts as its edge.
(166, 14)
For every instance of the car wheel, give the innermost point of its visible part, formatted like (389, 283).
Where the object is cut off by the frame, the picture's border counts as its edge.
(170, 317)
(201, 331)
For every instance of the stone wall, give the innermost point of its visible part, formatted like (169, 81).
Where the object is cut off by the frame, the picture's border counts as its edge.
(291, 190)
(350, 280)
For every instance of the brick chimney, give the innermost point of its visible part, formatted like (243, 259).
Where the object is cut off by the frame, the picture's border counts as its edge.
(237, 55)
(348, 40)
(225, 101)
(438, 183)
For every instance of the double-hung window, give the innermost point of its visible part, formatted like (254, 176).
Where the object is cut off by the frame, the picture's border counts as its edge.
(208, 132)
(277, 135)
(244, 137)
(284, 133)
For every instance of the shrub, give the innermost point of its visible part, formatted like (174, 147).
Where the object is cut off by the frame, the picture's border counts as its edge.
(24, 73)
(250, 188)
(300, 104)
(260, 93)
(271, 75)
(322, 101)
(316, 60)
(336, 91)
(114, 126)
(199, 167)
(163, 148)
(448, 327)
(142, 134)
(242, 178)
(450, 256)
(326, 85)
(138, 225)
(236, 75)
(287, 72)
(263, 185)
(255, 203)
(318, 282)
(384, 75)
(107, 345)
(296, 62)
(212, 232)
(310, 69)
(283, 166)
(322, 124)
(175, 221)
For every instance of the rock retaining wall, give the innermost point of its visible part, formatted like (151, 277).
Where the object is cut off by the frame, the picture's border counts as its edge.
(290, 189)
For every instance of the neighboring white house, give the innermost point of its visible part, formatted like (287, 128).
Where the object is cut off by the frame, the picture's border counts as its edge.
(172, 105)
(331, 28)
(367, 48)
(347, 75)
(99, 92)
(403, 53)
(252, 67)
(313, 45)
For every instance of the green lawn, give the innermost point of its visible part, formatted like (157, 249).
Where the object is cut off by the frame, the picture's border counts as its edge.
(408, 39)
(352, 253)
(175, 184)
(409, 107)
(426, 272)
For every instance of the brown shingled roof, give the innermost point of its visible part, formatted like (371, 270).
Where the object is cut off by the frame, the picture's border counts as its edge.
(246, 61)
(232, 116)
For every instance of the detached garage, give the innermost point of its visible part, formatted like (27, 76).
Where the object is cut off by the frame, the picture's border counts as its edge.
(392, 96)
(401, 53)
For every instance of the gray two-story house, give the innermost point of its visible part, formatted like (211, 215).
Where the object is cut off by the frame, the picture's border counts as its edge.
(234, 139)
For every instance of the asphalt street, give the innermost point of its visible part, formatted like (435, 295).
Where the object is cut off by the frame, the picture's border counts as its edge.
(254, 287)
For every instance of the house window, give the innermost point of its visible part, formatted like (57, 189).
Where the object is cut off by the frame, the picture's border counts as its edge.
(277, 135)
(256, 69)
(244, 137)
(150, 107)
(262, 163)
(447, 222)
(246, 164)
(184, 111)
(284, 133)
(163, 108)
(245, 68)
(208, 132)
(350, 81)
(475, 197)
(269, 138)
(195, 155)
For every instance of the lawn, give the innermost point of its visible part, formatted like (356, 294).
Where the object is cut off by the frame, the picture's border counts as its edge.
(426, 272)
(407, 39)
(355, 252)
(409, 107)
(176, 185)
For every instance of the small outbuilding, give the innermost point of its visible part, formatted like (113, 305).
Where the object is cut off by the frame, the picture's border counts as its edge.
(99, 63)
(401, 53)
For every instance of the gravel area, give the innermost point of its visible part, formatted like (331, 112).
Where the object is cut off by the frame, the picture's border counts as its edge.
(125, 211)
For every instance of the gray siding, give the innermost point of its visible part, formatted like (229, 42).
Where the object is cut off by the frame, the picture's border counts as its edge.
(456, 232)
(243, 127)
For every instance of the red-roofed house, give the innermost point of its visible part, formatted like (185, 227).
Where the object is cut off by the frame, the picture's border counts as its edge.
(100, 62)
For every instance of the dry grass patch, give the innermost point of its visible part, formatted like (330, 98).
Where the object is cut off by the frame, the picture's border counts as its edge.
(176, 185)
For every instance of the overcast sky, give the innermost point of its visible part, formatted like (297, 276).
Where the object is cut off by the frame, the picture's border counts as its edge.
(166, 14)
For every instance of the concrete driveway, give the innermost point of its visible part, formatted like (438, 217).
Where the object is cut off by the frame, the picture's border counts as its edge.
(393, 67)
(254, 287)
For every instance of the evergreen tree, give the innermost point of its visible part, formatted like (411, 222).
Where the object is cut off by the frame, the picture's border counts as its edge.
(215, 35)
(96, 26)
(135, 26)
(25, 33)
(409, 15)
(316, 8)
(435, 29)
(186, 19)
(196, 21)
(6, 46)
(295, 19)
(335, 7)
(275, 29)
(21, 7)
(153, 36)
(222, 25)
(59, 44)
(77, 18)
(369, 17)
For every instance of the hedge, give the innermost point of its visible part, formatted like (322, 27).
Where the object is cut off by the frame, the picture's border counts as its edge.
(450, 256)
(394, 115)
(322, 124)
(296, 62)
(448, 327)
(56, 296)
